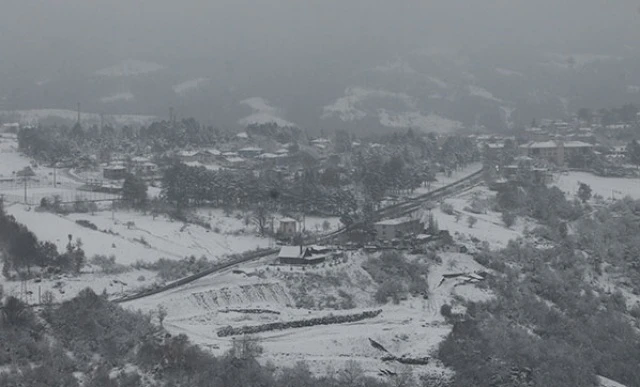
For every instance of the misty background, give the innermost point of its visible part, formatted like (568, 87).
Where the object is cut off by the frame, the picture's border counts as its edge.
(366, 65)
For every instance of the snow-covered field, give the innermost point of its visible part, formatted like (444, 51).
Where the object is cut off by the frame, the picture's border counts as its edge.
(489, 226)
(132, 236)
(607, 187)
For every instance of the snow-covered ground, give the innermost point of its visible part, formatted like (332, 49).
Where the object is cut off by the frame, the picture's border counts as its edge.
(11, 160)
(413, 328)
(132, 236)
(66, 287)
(489, 226)
(38, 186)
(443, 179)
(607, 187)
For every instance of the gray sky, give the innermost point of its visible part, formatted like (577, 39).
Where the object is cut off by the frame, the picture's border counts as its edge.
(128, 28)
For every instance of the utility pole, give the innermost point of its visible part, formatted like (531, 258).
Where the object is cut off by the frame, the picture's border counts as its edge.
(25, 189)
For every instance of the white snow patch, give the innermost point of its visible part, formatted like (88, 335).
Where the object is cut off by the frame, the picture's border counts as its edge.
(184, 88)
(349, 107)
(132, 236)
(478, 91)
(117, 97)
(607, 187)
(263, 113)
(129, 67)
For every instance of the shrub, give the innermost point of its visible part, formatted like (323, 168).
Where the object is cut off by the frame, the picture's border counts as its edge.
(445, 311)
(447, 208)
(87, 224)
(391, 288)
(108, 265)
(509, 218)
(169, 269)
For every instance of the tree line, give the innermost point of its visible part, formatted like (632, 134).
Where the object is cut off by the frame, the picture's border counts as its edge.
(23, 251)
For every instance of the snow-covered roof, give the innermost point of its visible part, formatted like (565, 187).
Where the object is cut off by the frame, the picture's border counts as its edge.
(577, 144)
(539, 145)
(320, 141)
(282, 151)
(286, 220)
(230, 154)
(242, 135)
(140, 159)
(395, 222)
(291, 252)
(491, 145)
(113, 167)
(250, 149)
(186, 153)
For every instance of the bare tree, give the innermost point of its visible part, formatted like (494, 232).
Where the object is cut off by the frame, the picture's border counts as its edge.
(261, 218)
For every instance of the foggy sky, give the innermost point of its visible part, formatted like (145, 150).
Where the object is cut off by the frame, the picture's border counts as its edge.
(69, 32)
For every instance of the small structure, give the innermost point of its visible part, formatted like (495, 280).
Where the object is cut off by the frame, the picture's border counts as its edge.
(300, 255)
(287, 227)
(25, 172)
(557, 152)
(388, 230)
(114, 172)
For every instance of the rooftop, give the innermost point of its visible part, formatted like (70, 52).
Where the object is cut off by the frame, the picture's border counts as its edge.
(291, 252)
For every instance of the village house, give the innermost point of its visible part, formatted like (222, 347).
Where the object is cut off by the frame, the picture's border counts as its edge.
(300, 255)
(557, 152)
(114, 172)
(388, 230)
(287, 227)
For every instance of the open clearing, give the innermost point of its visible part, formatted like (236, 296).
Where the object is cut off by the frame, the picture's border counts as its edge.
(607, 187)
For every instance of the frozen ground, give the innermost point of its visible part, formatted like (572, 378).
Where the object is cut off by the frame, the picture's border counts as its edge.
(413, 328)
(607, 187)
(132, 236)
(489, 226)
(66, 287)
